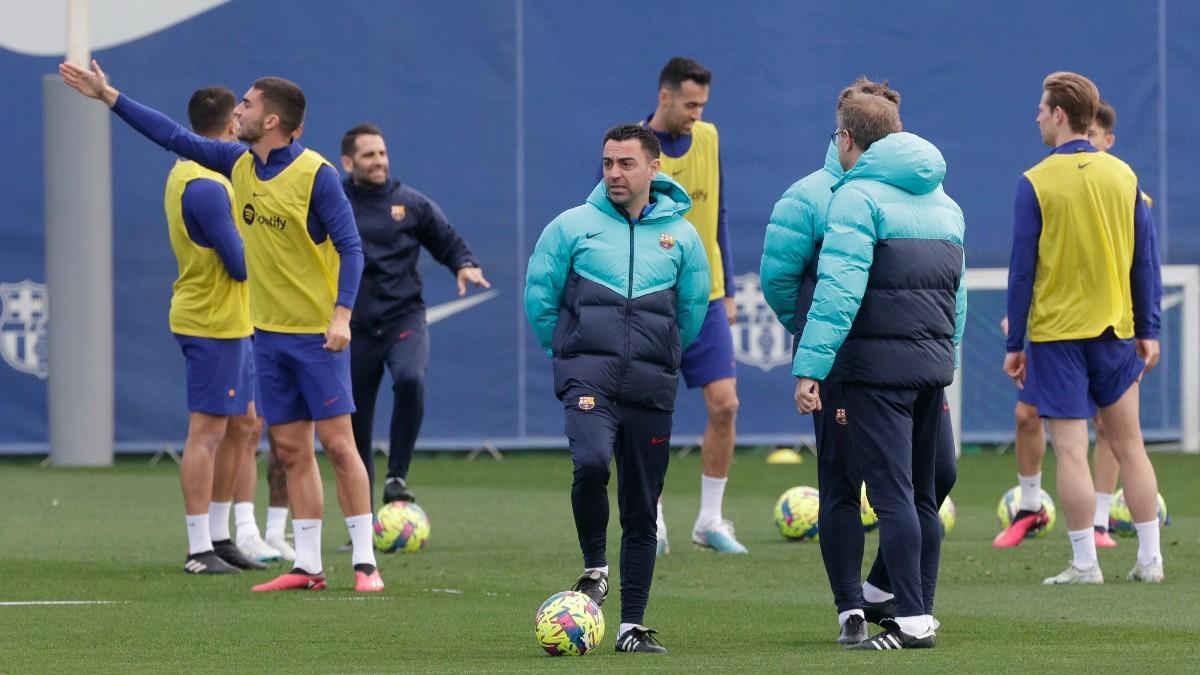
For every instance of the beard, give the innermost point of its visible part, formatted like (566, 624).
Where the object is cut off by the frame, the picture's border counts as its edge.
(248, 133)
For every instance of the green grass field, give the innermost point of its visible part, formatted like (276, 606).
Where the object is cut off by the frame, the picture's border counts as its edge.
(503, 540)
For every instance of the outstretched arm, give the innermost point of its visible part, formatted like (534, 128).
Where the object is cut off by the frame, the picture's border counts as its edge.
(219, 156)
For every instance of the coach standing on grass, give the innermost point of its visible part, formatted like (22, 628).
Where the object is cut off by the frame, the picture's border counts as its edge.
(616, 289)
(388, 327)
(882, 337)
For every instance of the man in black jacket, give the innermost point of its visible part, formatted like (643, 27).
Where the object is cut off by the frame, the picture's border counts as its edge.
(388, 323)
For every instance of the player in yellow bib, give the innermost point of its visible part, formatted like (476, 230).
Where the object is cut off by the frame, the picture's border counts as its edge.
(691, 155)
(210, 319)
(303, 261)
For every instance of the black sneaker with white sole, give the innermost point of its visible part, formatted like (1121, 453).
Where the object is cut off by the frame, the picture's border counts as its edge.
(640, 639)
(230, 553)
(878, 612)
(207, 562)
(594, 584)
(894, 638)
(396, 490)
(853, 631)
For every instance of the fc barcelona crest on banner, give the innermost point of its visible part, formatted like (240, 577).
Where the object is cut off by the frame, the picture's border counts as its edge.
(758, 337)
(23, 316)
(587, 402)
(398, 212)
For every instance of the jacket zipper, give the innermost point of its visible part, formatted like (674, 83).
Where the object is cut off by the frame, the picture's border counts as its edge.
(628, 299)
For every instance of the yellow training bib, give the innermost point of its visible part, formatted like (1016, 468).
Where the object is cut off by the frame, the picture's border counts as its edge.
(699, 172)
(205, 301)
(293, 281)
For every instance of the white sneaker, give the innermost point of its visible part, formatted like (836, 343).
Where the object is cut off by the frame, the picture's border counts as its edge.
(255, 548)
(718, 536)
(1151, 573)
(662, 547)
(280, 544)
(1074, 575)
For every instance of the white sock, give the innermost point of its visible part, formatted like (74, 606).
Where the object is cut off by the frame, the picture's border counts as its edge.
(276, 521)
(197, 530)
(625, 628)
(308, 544)
(916, 626)
(1083, 544)
(843, 616)
(1103, 502)
(218, 520)
(603, 570)
(873, 593)
(712, 492)
(361, 533)
(1148, 547)
(243, 518)
(1031, 491)
(662, 524)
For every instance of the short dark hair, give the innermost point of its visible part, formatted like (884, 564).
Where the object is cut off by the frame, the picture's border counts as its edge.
(682, 68)
(865, 86)
(868, 118)
(283, 98)
(210, 109)
(1106, 116)
(350, 138)
(627, 132)
(1076, 95)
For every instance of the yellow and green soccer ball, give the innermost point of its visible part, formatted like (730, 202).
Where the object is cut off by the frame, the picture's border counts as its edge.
(870, 521)
(796, 513)
(1120, 520)
(949, 516)
(1010, 503)
(569, 624)
(401, 526)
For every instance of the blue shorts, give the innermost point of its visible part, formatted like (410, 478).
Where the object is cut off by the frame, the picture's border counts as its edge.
(220, 374)
(299, 379)
(710, 356)
(1072, 377)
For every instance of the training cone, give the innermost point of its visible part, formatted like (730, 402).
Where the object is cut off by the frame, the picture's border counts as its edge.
(785, 456)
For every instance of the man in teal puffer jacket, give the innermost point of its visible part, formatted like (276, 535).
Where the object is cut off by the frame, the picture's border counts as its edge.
(882, 335)
(615, 290)
(789, 275)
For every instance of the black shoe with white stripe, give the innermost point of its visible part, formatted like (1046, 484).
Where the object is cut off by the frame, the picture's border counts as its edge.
(207, 562)
(894, 638)
(594, 584)
(853, 631)
(640, 639)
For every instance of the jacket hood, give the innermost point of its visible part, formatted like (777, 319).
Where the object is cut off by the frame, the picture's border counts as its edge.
(904, 160)
(670, 200)
(832, 165)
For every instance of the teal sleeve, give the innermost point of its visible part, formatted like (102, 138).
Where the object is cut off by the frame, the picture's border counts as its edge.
(692, 289)
(787, 251)
(960, 313)
(545, 279)
(842, 271)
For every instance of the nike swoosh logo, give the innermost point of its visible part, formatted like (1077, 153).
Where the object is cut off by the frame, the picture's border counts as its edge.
(257, 194)
(678, 172)
(589, 235)
(659, 441)
(1084, 164)
(403, 334)
(331, 401)
(448, 309)
(308, 527)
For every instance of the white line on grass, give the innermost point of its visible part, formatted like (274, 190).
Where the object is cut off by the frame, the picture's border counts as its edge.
(29, 603)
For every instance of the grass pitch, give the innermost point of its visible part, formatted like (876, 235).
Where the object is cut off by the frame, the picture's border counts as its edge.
(503, 540)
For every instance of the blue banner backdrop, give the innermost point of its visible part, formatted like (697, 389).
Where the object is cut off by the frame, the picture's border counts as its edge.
(496, 110)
